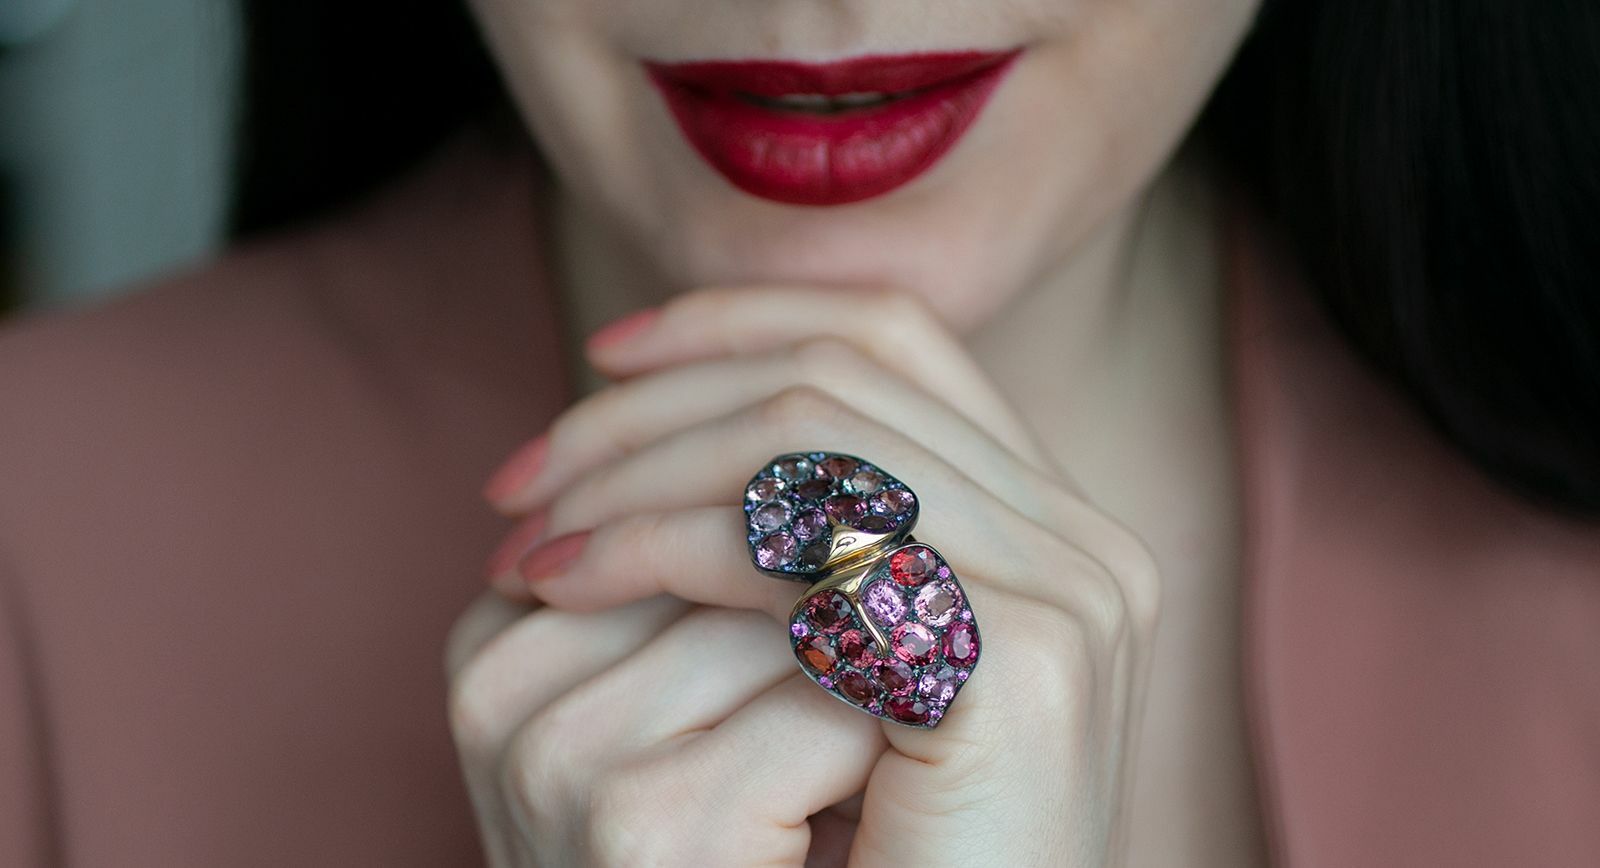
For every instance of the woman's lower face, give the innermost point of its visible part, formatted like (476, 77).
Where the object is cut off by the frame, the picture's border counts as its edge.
(959, 150)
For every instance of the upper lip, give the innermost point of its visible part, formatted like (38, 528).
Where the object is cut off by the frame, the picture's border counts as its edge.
(888, 74)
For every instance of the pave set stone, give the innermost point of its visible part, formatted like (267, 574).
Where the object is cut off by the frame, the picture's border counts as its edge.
(789, 504)
(917, 604)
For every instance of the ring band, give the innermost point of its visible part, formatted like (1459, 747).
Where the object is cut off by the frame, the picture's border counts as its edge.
(885, 625)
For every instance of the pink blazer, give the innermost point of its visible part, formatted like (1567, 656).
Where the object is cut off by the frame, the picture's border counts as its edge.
(238, 512)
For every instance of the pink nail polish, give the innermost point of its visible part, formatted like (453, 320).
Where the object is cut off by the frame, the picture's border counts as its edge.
(523, 537)
(518, 470)
(553, 557)
(619, 330)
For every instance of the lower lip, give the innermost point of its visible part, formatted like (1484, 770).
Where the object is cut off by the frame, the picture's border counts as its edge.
(815, 159)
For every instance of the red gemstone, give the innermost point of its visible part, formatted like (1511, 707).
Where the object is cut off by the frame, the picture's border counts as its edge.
(914, 643)
(913, 565)
(961, 644)
(829, 613)
(856, 648)
(855, 687)
(817, 654)
(894, 676)
(907, 709)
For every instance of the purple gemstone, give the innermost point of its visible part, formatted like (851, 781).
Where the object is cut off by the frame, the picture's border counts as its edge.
(884, 603)
(846, 508)
(792, 467)
(915, 643)
(873, 524)
(825, 681)
(940, 685)
(894, 501)
(814, 489)
(864, 483)
(937, 603)
(764, 489)
(810, 524)
(961, 644)
(835, 467)
(799, 629)
(769, 517)
(774, 550)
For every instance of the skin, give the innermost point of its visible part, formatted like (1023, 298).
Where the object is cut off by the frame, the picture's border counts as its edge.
(1039, 357)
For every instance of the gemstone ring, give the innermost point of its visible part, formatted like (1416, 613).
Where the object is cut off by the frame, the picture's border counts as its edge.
(885, 625)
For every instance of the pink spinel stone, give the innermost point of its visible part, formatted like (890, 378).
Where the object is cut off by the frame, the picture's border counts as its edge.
(817, 654)
(846, 508)
(810, 524)
(774, 550)
(907, 709)
(835, 467)
(884, 603)
(961, 644)
(894, 501)
(939, 686)
(914, 643)
(856, 648)
(764, 489)
(854, 686)
(865, 482)
(769, 516)
(793, 467)
(829, 613)
(894, 676)
(912, 566)
(814, 489)
(937, 603)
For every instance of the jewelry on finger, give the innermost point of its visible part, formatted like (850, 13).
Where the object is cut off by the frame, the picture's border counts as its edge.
(885, 625)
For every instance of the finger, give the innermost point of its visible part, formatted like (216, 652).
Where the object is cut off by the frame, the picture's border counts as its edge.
(698, 554)
(896, 328)
(621, 419)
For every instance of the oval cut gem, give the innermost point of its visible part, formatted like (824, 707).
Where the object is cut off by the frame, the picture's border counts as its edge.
(884, 603)
(764, 489)
(893, 501)
(912, 566)
(855, 687)
(817, 654)
(774, 550)
(846, 508)
(814, 489)
(864, 483)
(835, 467)
(961, 644)
(914, 643)
(769, 516)
(939, 685)
(937, 603)
(810, 524)
(907, 709)
(830, 612)
(856, 648)
(894, 676)
(792, 467)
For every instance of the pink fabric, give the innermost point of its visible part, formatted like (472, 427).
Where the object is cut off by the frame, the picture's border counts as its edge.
(239, 510)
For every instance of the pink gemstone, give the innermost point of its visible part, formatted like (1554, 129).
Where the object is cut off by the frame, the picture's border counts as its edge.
(884, 603)
(939, 686)
(912, 566)
(774, 550)
(937, 603)
(893, 501)
(854, 686)
(835, 467)
(769, 517)
(856, 648)
(846, 508)
(864, 483)
(817, 654)
(829, 612)
(961, 644)
(810, 524)
(907, 709)
(894, 676)
(914, 643)
(764, 489)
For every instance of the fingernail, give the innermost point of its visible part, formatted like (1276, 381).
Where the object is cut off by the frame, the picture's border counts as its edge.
(516, 544)
(553, 557)
(619, 330)
(517, 471)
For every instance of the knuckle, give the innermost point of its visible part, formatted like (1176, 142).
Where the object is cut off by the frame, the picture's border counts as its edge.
(823, 359)
(535, 770)
(476, 692)
(1133, 564)
(628, 818)
(800, 406)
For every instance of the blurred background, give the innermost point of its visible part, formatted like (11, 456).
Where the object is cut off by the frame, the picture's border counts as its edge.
(116, 128)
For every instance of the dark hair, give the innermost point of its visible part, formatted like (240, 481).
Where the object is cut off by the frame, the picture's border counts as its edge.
(1434, 165)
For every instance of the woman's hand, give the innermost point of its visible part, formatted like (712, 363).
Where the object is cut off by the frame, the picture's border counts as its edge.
(651, 712)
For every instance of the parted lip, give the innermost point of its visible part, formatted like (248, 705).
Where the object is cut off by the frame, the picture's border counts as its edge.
(869, 73)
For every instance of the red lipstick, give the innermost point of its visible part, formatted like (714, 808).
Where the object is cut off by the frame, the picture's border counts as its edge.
(828, 133)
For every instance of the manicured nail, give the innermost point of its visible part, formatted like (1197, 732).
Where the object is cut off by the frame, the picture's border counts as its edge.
(523, 537)
(553, 557)
(619, 330)
(517, 471)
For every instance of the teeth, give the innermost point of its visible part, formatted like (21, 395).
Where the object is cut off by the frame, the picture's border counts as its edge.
(803, 100)
(824, 103)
